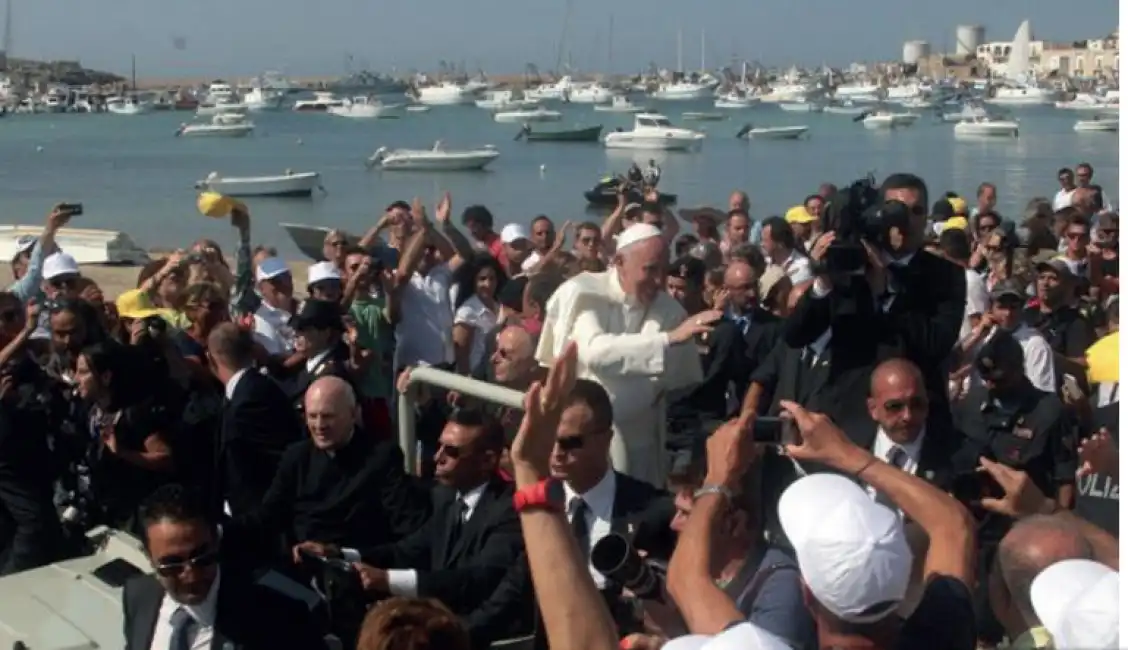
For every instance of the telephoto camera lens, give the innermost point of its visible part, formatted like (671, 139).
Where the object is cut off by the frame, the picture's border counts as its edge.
(618, 561)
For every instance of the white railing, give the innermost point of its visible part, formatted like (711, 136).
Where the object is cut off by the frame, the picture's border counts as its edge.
(462, 384)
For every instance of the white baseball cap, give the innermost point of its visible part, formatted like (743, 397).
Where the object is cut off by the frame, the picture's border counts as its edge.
(271, 268)
(513, 232)
(530, 261)
(745, 636)
(852, 552)
(1078, 602)
(322, 271)
(58, 264)
(635, 234)
(25, 243)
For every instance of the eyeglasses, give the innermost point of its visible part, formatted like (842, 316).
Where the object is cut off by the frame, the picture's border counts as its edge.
(451, 451)
(175, 566)
(63, 282)
(913, 404)
(570, 443)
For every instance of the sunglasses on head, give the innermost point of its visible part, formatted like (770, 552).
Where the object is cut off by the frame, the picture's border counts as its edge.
(570, 443)
(172, 567)
(913, 404)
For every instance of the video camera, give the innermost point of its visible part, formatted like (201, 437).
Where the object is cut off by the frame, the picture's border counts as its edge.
(858, 214)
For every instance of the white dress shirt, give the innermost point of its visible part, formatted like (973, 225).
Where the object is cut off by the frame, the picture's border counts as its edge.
(797, 267)
(316, 360)
(600, 501)
(883, 445)
(405, 582)
(204, 615)
(977, 301)
(1063, 199)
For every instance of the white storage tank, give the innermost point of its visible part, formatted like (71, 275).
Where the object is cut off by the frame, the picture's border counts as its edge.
(914, 51)
(969, 38)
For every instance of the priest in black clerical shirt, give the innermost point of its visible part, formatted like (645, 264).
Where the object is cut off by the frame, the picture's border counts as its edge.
(340, 486)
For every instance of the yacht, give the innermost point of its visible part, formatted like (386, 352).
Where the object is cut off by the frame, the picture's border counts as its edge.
(497, 100)
(858, 91)
(620, 104)
(263, 99)
(903, 92)
(1088, 102)
(1022, 95)
(683, 90)
(446, 93)
(981, 127)
(592, 93)
(436, 159)
(560, 91)
(790, 92)
(126, 106)
(220, 91)
(889, 120)
(654, 132)
(736, 99)
(321, 102)
(362, 107)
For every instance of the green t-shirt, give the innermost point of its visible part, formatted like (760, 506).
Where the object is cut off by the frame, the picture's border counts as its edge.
(374, 332)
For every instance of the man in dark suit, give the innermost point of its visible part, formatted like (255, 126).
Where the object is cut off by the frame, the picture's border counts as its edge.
(259, 422)
(463, 554)
(194, 601)
(758, 327)
(319, 327)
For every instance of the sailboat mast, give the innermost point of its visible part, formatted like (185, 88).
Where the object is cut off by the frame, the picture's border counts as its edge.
(703, 50)
(133, 70)
(611, 44)
(680, 70)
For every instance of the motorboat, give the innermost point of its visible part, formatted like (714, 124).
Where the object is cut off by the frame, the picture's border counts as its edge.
(1088, 102)
(787, 92)
(606, 193)
(263, 99)
(989, 127)
(801, 107)
(362, 107)
(966, 112)
(287, 184)
(584, 134)
(682, 91)
(435, 159)
(503, 100)
(1098, 124)
(446, 93)
(538, 114)
(919, 103)
(207, 109)
(219, 91)
(592, 93)
(858, 92)
(654, 132)
(888, 120)
(86, 245)
(321, 103)
(845, 107)
(1022, 95)
(559, 91)
(735, 99)
(620, 104)
(310, 240)
(416, 108)
(750, 132)
(126, 106)
(224, 125)
(703, 116)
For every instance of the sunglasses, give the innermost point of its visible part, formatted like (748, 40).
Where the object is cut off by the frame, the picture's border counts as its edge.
(451, 451)
(1076, 235)
(570, 443)
(63, 283)
(174, 566)
(913, 404)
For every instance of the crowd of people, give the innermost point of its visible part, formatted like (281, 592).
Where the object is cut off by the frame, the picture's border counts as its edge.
(890, 428)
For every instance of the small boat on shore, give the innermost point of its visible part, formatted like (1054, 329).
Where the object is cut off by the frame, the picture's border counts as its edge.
(287, 184)
(587, 134)
(986, 127)
(85, 245)
(1098, 125)
(750, 132)
(538, 114)
(435, 159)
(224, 125)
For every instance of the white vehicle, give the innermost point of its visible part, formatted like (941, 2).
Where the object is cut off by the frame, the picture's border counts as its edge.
(801, 107)
(538, 114)
(590, 94)
(503, 100)
(654, 132)
(286, 184)
(435, 159)
(986, 127)
(220, 108)
(261, 99)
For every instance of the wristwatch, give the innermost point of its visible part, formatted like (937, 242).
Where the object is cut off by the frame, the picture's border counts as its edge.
(709, 488)
(547, 494)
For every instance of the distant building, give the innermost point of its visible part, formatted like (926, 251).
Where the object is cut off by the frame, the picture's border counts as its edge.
(1086, 58)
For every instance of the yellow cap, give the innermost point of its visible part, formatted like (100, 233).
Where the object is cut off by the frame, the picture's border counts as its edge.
(798, 214)
(135, 304)
(215, 205)
(959, 206)
(955, 223)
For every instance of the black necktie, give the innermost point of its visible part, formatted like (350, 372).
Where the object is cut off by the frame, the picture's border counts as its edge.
(896, 457)
(458, 512)
(579, 524)
(183, 630)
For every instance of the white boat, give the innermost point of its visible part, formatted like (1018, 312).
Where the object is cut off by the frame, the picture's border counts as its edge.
(620, 104)
(801, 107)
(363, 108)
(1088, 102)
(86, 245)
(654, 132)
(126, 106)
(920, 103)
(446, 93)
(321, 102)
(221, 107)
(703, 116)
(224, 125)
(416, 108)
(986, 127)
(736, 99)
(538, 114)
(503, 100)
(750, 132)
(261, 99)
(590, 94)
(557, 91)
(889, 120)
(967, 112)
(857, 91)
(788, 92)
(682, 91)
(219, 92)
(1098, 124)
(1020, 88)
(1022, 95)
(310, 240)
(287, 184)
(435, 159)
(844, 107)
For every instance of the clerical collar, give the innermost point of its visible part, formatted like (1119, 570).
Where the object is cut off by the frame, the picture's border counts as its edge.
(332, 453)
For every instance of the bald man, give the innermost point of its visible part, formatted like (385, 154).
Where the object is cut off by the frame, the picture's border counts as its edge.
(634, 340)
(513, 362)
(1031, 546)
(340, 487)
(757, 326)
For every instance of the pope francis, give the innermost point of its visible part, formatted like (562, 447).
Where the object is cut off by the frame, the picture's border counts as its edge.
(632, 338)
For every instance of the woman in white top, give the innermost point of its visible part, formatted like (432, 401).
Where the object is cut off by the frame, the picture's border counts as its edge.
(477, 284)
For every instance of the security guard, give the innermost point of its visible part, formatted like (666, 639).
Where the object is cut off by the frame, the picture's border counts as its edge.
(1009, 421)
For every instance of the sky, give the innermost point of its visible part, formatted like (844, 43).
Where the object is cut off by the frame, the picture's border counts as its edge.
(314, 37)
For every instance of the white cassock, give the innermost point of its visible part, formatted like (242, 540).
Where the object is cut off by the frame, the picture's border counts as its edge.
(624, 347)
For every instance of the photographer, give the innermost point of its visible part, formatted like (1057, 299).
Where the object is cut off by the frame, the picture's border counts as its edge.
(909, 304)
